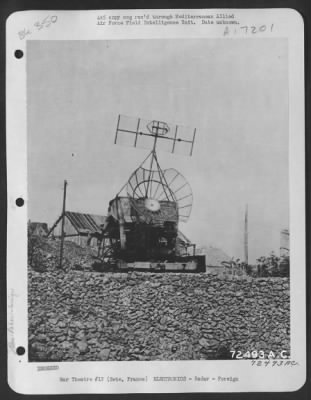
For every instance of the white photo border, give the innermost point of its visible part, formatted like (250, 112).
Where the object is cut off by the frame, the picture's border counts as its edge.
(24, 377)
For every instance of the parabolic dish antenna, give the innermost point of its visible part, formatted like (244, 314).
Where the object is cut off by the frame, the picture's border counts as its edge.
(158, 187)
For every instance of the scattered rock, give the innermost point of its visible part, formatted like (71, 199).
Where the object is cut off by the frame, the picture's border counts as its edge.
(92, 341)
(80, 335)
(153, 316)
(41, 337)
(66, 345)
(104, 354)
(204, 343)
(83, 347)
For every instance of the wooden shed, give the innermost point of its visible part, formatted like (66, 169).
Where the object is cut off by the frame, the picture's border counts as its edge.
(79, 226)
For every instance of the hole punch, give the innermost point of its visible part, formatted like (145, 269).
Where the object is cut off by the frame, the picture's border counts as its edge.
(18, 54)
(20, 351)
(19, 202)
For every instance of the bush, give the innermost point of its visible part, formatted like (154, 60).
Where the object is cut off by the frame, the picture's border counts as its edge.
(273, 266)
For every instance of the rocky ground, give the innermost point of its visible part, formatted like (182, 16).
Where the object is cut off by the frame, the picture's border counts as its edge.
(85, 315)
(43, 255)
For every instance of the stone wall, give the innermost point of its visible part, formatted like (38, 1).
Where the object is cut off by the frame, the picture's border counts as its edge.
(152, 316)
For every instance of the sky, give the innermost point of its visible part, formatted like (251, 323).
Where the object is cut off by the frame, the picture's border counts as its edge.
(233, 91)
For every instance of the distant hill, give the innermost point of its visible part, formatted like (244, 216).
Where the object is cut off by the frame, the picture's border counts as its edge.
(214, 256)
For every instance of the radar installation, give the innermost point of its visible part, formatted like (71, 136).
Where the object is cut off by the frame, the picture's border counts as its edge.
(141, 230)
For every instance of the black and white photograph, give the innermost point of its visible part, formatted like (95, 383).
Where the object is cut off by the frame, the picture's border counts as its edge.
(174, 246)
(158, 199)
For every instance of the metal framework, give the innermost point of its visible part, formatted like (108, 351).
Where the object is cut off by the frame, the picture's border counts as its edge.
(150, 181)
(138, 132)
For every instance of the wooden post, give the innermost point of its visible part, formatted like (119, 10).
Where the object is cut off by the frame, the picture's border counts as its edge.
(54, 226)
(63, 226)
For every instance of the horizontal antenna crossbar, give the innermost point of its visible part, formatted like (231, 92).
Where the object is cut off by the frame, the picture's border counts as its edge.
(153, 135)
(179, 138)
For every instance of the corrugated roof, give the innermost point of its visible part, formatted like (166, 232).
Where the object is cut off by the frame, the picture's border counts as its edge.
(85, 223)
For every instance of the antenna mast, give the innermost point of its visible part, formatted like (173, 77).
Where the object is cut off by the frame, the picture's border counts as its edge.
(246, 236)
(63, 226)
